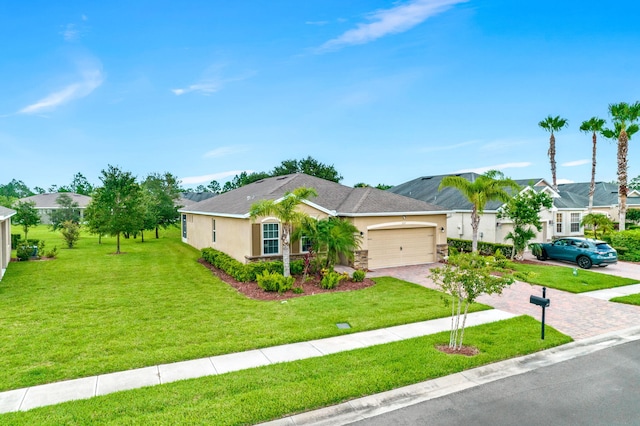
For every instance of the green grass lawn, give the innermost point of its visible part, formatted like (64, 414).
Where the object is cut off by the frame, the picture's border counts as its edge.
(633, 299)
(562, 278)
(90, 312)
(265, 393)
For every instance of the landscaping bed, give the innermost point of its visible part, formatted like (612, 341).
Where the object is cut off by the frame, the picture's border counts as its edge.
(309, 287)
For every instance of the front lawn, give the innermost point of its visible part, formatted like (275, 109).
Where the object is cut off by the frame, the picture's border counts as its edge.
(90, 312)
(265, 393)
(562, 278)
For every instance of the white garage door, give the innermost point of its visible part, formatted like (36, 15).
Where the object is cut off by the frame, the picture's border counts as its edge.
(400, 247)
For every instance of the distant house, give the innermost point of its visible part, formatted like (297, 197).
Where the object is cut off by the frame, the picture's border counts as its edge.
(605, 197)
(395, 230)
(46, 203)
(563, 219)
(5, 238)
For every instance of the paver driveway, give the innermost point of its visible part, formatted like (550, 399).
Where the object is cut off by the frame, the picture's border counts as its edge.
(577, 315)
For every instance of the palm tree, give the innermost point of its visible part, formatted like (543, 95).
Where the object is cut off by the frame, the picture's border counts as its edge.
(553, 124)
(331, 236)
(285, 210)
(489, 186)
(623, 116)
(594, 125)
(597, 221)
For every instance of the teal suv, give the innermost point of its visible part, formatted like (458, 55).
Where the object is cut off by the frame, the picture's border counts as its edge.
(583, 251)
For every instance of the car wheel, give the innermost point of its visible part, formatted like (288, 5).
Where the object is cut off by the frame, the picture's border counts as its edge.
(542, 255)
(584, 262)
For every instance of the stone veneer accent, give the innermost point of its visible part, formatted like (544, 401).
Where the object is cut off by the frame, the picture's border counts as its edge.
(442, 251)
(360, 260)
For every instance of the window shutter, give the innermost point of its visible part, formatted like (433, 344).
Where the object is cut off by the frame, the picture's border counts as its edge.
(256, 246)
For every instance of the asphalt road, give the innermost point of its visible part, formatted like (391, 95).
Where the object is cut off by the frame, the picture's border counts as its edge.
(602, 388)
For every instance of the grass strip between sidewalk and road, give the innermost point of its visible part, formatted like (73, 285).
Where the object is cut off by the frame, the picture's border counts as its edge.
(562, 278)
(270, 392)
(633, 299)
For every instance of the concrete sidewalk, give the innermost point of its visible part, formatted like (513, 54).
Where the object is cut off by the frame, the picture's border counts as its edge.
(88, 387)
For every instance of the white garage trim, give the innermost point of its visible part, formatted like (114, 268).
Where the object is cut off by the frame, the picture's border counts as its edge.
(404, 224)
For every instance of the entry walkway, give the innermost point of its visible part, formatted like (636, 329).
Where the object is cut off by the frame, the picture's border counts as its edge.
(87, 387)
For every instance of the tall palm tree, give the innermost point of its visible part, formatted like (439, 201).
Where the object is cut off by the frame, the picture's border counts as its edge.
(285, 210)
(489, 186)
(553, 124)
(593, 125)
(623, 116)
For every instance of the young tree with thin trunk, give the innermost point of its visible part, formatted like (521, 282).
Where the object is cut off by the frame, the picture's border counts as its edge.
(464, 278)
(553, 124)
(624, 117)
(594, 126)
(26, 215)
(285, 209)
(487, 187)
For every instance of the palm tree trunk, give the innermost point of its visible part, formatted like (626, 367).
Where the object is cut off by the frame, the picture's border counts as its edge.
(592, 188)
(623, 148)
(286, 249)
(475, 224)
(552, 160)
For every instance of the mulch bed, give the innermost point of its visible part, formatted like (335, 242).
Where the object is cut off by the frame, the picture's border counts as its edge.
(310, 287)
(464, 350)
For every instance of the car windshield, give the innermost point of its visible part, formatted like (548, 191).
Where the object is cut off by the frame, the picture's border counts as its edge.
(603, 246)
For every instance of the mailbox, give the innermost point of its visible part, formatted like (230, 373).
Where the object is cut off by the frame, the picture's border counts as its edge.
(540, 301)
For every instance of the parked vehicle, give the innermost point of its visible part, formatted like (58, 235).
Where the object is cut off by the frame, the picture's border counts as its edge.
(583, 251)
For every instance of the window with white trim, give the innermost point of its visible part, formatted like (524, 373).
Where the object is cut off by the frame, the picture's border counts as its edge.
(270, 238)
(213, 230)
(575, 222)
(305, 244)
(559, 223)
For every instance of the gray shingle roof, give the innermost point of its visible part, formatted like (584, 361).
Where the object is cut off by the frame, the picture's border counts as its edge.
(48, 201)
(190, 198)
(606, 193)
(425, 188)
(343, 200)
(6, 212)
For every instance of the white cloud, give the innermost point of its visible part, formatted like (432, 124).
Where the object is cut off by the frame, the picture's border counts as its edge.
(390, 21)
(447, 147)
(70, 32)
(212, 81)
(561, 181)
(224, 151)
(503, 166)
(575, 163)
(317, 22)
(90, 79)
(192, 180)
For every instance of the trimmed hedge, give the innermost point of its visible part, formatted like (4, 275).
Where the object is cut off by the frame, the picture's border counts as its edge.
(627, 243)
(15, 239)
(484, 248)
(247, 272)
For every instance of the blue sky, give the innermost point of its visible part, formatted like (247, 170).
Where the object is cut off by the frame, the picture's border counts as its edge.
(385, 91)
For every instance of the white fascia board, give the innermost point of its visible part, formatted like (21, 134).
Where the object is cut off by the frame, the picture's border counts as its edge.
(235, 216)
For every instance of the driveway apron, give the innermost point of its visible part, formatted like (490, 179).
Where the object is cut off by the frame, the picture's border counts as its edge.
(577, 315)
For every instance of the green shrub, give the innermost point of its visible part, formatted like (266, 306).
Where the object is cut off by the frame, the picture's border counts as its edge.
(297, 290)
(484, 248)
(274, 281)
(25, 250)
(51, 254)
(249, 272)
(331, 279)
(627, 243)
(15, 239)
(297, 267)
(358, 276)
(501, 259)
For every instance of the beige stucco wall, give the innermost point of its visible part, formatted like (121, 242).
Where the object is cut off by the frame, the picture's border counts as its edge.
(5, 245)
(233, 235)
(400, 221)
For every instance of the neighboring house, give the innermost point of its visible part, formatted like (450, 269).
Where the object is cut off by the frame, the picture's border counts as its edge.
(605, 197)
(395, 230)
(46, 203)
(5, 238)
(563, 219)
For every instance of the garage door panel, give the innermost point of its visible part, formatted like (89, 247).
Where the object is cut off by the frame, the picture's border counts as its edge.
(399, 247)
